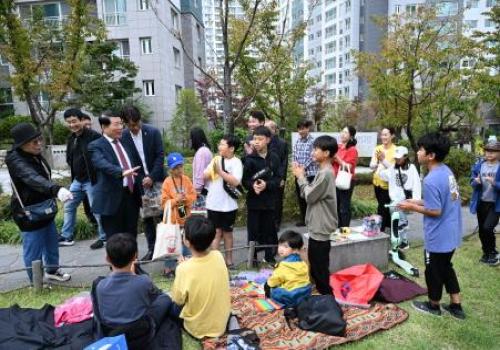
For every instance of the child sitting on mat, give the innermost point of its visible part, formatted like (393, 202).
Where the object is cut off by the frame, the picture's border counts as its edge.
(289, 284)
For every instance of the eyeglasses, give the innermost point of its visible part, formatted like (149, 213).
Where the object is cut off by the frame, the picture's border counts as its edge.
(37, 140)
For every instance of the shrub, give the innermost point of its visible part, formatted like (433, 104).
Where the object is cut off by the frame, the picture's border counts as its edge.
(9, 232)
(364, 178)
(60, 133)
(215, 135)
(362, 208)
(460, 162)
(5, 212)
(465, 190)
(6, 124)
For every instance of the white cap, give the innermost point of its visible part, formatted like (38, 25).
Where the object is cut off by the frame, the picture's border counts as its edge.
(400, 152)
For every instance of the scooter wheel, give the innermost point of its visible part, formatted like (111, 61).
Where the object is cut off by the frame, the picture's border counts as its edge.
(415, 272)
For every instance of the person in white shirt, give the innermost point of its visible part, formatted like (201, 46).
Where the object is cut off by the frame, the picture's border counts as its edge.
(223, 176)
(404, 183)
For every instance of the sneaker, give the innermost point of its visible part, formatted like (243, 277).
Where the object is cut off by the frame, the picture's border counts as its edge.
(484, 259)
(454, 310)
(58, 276)
(426, 307)
(404, 245)
(65, 242)
(97, 244)
(493, 260)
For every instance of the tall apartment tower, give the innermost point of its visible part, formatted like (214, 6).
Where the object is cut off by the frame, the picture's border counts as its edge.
(144, 32)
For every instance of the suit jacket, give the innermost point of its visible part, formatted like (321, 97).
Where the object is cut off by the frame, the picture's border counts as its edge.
(108, 189)
(280, 147)
(153, 150)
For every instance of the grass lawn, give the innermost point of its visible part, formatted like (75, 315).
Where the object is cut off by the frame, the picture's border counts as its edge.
(480, 289)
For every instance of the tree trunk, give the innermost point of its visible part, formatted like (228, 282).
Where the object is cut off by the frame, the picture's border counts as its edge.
(228, 102)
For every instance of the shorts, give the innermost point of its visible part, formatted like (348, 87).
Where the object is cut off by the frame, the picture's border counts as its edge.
(223, 220)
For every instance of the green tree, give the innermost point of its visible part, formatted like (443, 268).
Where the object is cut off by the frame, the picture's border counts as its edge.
(46, 55)
(188, 114)
(416, 81)
(340, 113)
(106, 81)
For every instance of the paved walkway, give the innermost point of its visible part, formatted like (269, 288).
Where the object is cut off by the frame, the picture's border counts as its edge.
(80, 253)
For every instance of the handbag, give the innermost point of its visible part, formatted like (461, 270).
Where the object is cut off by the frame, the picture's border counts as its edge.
(42, 211)
(151, 203)
(168, 235)
(233, 192)
(343, 179)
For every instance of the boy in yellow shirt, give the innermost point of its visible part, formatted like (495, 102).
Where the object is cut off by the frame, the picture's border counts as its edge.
(201, 284)
(289, 284)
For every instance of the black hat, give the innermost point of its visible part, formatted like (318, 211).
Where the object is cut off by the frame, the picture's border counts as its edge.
(23, 133)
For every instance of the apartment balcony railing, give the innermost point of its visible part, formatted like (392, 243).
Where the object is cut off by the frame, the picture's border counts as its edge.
(115, 19)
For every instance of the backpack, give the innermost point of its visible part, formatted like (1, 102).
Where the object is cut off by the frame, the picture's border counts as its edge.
(318, 313)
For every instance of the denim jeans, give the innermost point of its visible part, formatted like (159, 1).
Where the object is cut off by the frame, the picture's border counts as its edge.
(41, 243)
(78, 189)
(172, 263)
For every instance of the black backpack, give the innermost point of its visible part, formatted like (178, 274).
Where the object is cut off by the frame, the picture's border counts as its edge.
(318, 313)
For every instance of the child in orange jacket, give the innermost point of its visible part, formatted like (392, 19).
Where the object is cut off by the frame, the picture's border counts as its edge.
(179, 189)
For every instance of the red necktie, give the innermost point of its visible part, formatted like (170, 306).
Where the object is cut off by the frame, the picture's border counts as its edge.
(128, 179)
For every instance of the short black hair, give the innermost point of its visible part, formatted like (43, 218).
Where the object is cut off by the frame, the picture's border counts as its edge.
(121, 249)
(293, 238)
(105, 118)
(436, 143)
(391, 130)
(259, 115)
(198, 138)
(326, 143)
(304, 123)
(199, 232)
(262, 131)
(130, 114)
(232, 141)
(86, 116)
(73, 112)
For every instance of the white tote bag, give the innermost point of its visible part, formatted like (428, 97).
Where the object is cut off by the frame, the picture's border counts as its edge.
(168, 235)
(344, 177)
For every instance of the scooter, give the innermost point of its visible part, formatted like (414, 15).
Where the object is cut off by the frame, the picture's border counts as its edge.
(395, 254)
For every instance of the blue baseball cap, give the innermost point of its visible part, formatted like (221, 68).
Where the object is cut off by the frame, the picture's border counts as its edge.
(174, 159)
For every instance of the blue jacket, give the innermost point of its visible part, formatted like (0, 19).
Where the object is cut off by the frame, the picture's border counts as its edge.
(477, 188)
(153, 150)
(109, 184)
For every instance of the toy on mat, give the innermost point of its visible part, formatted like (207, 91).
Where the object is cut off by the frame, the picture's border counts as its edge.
(266, 305)
(372, 225)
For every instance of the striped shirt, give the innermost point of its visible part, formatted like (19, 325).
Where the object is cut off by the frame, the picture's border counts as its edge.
(302, 154)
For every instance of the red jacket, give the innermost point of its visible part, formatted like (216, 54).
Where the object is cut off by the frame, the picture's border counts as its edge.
(349, 155)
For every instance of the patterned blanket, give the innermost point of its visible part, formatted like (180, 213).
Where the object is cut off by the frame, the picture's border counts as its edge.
(275, 334)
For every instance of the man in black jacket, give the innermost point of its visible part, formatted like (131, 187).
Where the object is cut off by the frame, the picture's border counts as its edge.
(147, 140)
(261, 178)
(82, 175)
(280, 148)
(31, 184)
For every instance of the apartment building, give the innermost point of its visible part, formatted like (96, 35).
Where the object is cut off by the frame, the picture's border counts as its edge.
(145, 32)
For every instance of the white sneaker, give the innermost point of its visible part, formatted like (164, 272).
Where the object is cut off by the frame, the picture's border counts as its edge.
(58, 276)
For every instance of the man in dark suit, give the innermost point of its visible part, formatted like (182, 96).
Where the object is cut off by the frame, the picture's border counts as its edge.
(117, 192)
(147, 140)
(280, 147)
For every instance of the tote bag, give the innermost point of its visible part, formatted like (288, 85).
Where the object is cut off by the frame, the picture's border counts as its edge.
(168, 235)
(343, 179)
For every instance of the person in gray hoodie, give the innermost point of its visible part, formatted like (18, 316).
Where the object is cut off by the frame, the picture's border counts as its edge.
(321, 214)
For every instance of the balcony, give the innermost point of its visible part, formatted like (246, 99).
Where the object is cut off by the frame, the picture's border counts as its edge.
(115, 19)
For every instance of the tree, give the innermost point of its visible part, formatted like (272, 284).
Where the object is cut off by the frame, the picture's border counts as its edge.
(268, 54)
(416, 80)
(341, 113)
(188, 114)
(106, 81)
(232, 57)
(46, 56)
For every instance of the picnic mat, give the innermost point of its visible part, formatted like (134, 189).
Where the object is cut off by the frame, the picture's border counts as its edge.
(275, 334)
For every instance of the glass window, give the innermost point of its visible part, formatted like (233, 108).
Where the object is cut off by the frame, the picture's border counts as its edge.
(177, 58)
(146, 47)
(148, 87)
(114, 12)
(175, 19)
(447, 8)
(143, 5)
(178, 90)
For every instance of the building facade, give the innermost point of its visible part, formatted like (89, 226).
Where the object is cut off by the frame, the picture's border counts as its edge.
(146, 32)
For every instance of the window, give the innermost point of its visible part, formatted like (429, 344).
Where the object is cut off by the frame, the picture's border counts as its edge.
(330, 31)
(470, 24)
(488, 23)
(311, 37)
(146, 47)
(330, 79)
(447, 8)
(318, 18)
(347, 24)
(346, 90)
(318, 34)
(467, 63)
(198, 33)
(330, 63)
(491, 3)
(411, 9)
(331, 14)
(341, 62)
(148, 87)
(143, 5)
(43, 98)
(340, 78)
(311, 52)
(319, 49)
(347, 57)
(122, 49)
(347, 40)
(177, 58)
(331, 47)
(472, 4)
(397, 9)
(341, 44)
(175, 19)
(114, 12)
(5, 96)
(178, 90)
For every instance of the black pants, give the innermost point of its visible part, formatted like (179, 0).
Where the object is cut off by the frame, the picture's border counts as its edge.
(344, 206)
(88, 211)
(150, 231)
(318, 253)
(261, 229)
(487, 219)
(302, 201)
(126, 217)
(278, 212)
(383, 199)
(438, 272)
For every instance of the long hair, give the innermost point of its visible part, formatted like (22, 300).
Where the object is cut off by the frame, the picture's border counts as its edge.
(352, 141)
(198, 138)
